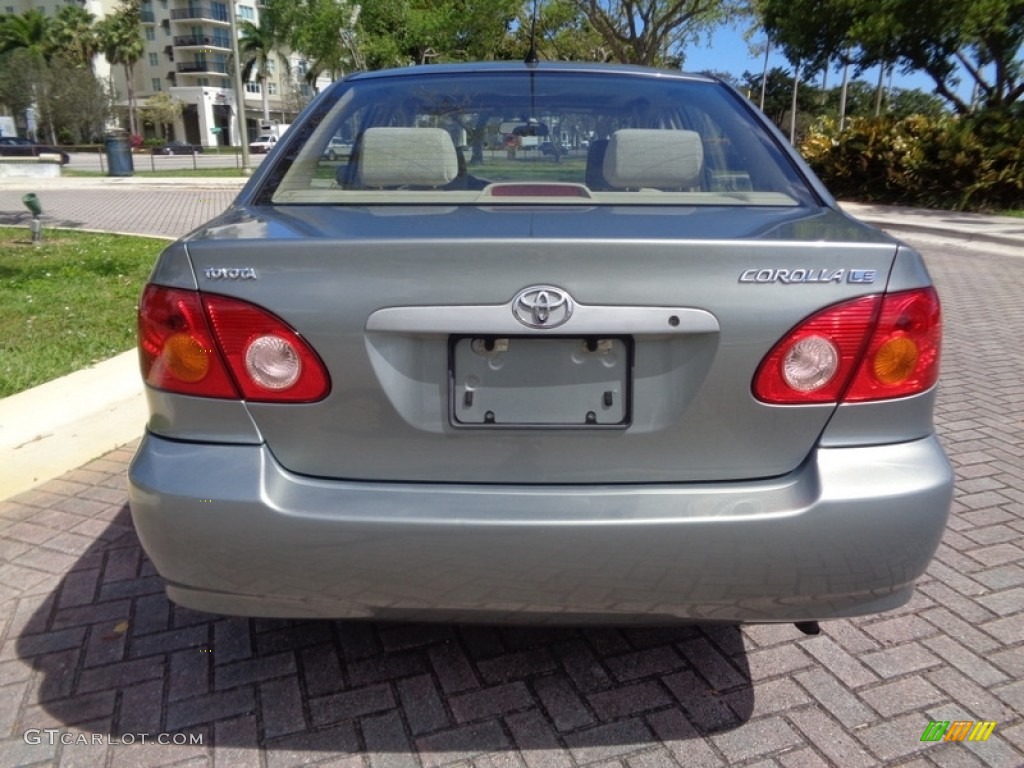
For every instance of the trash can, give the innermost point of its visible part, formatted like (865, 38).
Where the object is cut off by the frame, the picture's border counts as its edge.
(119, 155)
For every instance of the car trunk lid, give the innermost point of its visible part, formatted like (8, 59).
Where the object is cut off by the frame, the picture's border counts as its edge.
(415, 313)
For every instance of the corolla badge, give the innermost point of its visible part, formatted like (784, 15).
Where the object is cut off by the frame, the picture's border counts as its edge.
(542, 306)
(229, 273)
(807, 275)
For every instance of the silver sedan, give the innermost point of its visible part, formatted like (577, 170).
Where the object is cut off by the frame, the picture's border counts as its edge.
(449, 376)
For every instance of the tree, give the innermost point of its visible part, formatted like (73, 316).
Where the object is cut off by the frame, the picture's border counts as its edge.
(29, 36)
(29, 32)
(76, 104)
(778, 94)
(322, 30)
(21, 79)
(162, 109)
(977, 36)
(904, 102)
(257, 47)
(653, 32)
(563, 33)
(398, 32)
(120, 38)
(74, 36)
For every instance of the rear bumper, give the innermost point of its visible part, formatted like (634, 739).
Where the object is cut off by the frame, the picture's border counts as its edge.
(233, 532)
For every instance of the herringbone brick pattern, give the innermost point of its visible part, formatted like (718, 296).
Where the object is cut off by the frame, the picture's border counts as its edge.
(89, 645)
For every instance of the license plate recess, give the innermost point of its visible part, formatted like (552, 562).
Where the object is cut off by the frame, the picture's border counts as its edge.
(548, 382)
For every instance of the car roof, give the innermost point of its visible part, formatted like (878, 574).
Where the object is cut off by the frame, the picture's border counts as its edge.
(492, 67)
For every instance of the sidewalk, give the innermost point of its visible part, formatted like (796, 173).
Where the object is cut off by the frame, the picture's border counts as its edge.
(58, 426)
(970, 227)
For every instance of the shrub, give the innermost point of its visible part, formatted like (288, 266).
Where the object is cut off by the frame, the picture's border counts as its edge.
(969, 163)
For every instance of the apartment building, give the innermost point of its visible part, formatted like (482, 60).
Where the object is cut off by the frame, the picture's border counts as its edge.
(187, 55)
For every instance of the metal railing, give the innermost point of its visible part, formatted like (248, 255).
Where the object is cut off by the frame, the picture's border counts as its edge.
(214, 41)
(199, 67)
(199, 12)
(210, 158)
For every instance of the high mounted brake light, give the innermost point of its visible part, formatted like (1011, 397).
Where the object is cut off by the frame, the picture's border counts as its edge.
(871, 348)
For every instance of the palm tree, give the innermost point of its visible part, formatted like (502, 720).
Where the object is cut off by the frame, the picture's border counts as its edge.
(256, 47)
(75, 36)
(120, 38)
(30, 31)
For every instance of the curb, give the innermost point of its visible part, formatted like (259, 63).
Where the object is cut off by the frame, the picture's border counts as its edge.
(58, 426)
(967, 237)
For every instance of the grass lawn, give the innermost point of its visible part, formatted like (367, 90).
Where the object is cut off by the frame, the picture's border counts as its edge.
(68, 302)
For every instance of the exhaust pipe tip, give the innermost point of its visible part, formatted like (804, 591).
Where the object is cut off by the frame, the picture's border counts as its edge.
(811, 628)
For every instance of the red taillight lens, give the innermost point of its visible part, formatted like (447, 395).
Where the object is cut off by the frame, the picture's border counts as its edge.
(903, 356)
(790, 375)
(225, 348)
(270, 361)
(176, 349)
(872, 348)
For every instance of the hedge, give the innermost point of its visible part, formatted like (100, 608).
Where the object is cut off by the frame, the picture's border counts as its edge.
(959, 163)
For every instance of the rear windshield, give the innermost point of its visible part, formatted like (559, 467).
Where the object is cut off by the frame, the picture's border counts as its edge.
(532, 137)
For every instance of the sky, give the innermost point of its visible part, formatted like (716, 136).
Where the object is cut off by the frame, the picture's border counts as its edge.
(727, 51)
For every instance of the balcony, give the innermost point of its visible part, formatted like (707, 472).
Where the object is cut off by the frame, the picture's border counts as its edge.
(203, 41)
(202, 67)
(200, 13)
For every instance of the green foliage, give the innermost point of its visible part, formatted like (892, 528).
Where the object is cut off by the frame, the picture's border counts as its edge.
(74, 36)
(21, 76)
(161, 109)
(401, 32)
(30, 32)
(983, 37)
(778, 95)
(120, 39)
(960, 163)
(74, 101)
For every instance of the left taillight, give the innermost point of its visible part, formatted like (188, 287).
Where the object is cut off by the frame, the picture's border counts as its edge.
(215, 346)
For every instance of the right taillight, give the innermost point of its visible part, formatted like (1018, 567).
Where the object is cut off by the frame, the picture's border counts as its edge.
(871, 348)
(902, 357)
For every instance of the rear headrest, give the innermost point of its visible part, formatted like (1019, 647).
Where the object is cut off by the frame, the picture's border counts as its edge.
(641, 157)
(398, 157)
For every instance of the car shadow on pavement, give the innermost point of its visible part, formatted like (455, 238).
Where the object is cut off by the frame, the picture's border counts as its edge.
(112, 656)
(22, 218)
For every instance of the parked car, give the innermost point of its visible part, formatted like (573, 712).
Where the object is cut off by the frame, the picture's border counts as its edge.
(338, 149)
(548, 148)
(263, 144)
(178, 148)
(15, 146)
(415, 385)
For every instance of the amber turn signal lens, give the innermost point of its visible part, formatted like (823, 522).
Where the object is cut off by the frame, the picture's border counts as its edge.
(895, 361)
(185, 358)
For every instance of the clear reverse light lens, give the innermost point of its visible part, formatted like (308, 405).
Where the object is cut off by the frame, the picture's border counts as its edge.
(272, 362)
(810, 364)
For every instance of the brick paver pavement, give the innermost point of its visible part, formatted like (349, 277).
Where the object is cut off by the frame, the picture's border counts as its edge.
(89, 645)
(162, 211)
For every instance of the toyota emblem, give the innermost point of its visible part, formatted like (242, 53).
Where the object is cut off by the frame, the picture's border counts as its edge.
(542, 306)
